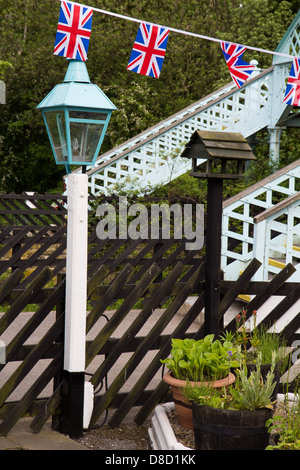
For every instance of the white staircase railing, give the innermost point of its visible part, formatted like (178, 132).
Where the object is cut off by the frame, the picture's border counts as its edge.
(246, 214)
(148, 159)
(277, 238)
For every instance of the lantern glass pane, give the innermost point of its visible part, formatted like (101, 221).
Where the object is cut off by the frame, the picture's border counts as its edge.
(84, 140)
(90, 115)
(56, 126)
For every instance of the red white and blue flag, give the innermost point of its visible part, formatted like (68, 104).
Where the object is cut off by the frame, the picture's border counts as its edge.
(238, 68)
(73, 31)
(292, 92)
(149, 50)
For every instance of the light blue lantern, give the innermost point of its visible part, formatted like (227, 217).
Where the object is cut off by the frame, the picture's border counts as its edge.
(76, 114)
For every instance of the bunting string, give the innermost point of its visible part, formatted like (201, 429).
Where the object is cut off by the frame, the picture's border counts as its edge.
(149, 49)
(180, 31)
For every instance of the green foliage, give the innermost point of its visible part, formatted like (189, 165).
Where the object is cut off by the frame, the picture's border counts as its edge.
(286, 427)
(205, 395)
(248, 392)
(252, 392)
(200, 360)
(193, 68)
(4, 65)
(261, 340)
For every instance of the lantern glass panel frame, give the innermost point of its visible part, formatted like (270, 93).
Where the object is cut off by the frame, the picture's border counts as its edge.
(76, 134)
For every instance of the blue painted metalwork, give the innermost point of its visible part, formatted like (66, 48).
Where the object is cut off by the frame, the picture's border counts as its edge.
(76, 114)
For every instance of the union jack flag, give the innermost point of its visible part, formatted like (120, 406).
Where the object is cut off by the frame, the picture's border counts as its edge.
(73, 31)
(292, 92)
(149, 50)
(238, 68)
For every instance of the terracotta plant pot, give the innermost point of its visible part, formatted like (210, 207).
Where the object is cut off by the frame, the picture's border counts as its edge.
(182, 406)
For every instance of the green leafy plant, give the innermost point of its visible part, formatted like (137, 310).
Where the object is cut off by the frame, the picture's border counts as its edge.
(200, 360)
(285, 427)
(204, 395)
(248, 392)
(259, 340)
(252, 392)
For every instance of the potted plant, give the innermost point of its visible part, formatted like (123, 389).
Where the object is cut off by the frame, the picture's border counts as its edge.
(234, 418)
(259, 341)
(205, 361)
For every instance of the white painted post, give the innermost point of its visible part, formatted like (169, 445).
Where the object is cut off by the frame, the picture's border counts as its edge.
(76, 273)
(75, 314)
(259, 248)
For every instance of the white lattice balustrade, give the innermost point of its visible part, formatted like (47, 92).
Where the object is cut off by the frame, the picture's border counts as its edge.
(150, 158)
(267, 239)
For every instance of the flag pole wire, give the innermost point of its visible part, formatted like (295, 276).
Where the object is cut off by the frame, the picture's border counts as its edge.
(180, 31)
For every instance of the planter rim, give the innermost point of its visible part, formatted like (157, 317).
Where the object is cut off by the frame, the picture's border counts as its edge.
(227, 411)
(169, 379)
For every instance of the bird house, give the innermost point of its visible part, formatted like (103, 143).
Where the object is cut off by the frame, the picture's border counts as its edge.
(218, 154)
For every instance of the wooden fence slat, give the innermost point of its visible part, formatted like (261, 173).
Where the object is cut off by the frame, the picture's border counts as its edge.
(290, 330)
(25, 298)
(269, 288)
(41, 210)
(36, 319)
(49, 409)
(126, 289)
(117, 269)
(286, 303)
(164, 289)
(243, 280)
(96, 279)
(35, 355)
(15, 212)
(58, 237)
(157, 329)
(161, 389)
(5, 233)
(121, 312)
(21, 407)
(26, 209)
(157, 257)
(104, 302)
(9, 284)
(169, 313)
(114, 245)
(125, 255)
(15, 239)
(254, 287)
(55, 270)
(27, 245)
(93, 262)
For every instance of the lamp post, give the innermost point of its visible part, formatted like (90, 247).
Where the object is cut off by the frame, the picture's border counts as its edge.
(76, 115)
(223, 156)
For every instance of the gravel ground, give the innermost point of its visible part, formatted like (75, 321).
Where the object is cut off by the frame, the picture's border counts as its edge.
(129, 436)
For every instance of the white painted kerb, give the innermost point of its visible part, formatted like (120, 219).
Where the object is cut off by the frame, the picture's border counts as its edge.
(161, 434)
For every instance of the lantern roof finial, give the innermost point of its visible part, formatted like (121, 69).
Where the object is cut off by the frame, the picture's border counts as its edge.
(77, 72)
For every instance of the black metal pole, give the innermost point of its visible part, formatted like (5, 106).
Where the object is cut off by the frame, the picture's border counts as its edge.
(213, 256)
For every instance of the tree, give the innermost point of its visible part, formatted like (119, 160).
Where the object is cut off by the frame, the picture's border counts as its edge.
(192, 69)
